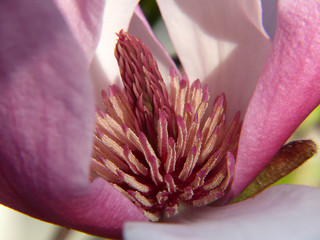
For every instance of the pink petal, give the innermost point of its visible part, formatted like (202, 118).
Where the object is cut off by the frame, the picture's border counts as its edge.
(287, 91)
(281, 212)
(84, 19)
(46, 125)
(221, 43)
(139, 27)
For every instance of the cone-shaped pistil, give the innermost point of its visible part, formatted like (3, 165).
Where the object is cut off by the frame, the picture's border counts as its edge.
(157, 147)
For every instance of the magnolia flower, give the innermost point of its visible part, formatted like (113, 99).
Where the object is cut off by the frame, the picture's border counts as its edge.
(47, 106)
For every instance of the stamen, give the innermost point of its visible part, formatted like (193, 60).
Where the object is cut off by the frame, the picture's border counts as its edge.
(157, 146)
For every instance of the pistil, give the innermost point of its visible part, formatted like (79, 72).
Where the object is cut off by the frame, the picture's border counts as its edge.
(156, 145)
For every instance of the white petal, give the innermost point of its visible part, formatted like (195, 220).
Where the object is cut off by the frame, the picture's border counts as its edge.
(280, 212)
(117, 16)
(139, 27)
(221, 43)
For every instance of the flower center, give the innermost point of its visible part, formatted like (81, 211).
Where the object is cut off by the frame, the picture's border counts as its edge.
(157, 147)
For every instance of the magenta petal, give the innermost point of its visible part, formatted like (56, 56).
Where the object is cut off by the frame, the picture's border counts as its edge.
(84, 19)
(46, 124)
(281, 212)
(287, 91)
(47, 110)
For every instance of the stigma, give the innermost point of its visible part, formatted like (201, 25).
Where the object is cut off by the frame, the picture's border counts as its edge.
(162, 145)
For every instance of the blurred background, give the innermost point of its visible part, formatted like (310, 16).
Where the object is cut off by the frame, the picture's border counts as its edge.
(17, 226)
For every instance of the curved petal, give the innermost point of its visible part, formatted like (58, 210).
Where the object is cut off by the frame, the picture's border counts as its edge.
(139, 27)
(117, 16)
(269, 16)
(220, 42)
(84, 19)
(46, 125)
(281, 212)
(104, 68)
(287, 91)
